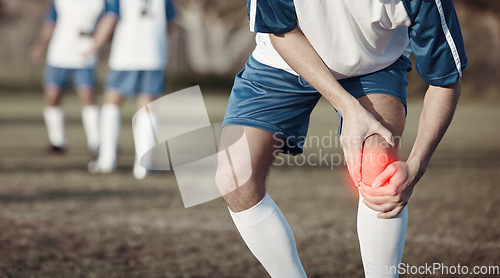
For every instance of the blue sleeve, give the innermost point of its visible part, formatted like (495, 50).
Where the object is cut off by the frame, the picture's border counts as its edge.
(51, 15)
(271, 16)
(112, 6)
(436, 41)
(170, 9)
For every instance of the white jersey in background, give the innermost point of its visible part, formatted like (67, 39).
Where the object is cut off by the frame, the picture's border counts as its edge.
(75, 22)
(140, 38)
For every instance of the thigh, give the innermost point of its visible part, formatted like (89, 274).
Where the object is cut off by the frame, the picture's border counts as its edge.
(84, 82)
(121, 82)
(86, 96)
(377, 154)
(53, 95)
(56, 77)
(113, 96)
(388, 110)
(245, 156)
(144, 99)
(273, 100)
(151, 83)
(84, 79)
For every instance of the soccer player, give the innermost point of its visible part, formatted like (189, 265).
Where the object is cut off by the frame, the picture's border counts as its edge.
(137, 67)
(355, 54)
(68, 30)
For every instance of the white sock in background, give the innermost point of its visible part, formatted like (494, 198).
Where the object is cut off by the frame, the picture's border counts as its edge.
(381, 241)
(110, 133)
(90, 119)
(268, 235)
(142, 136)
(54, 121)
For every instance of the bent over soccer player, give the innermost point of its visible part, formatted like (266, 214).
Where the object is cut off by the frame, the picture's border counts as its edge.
(137, 67)
(355, 54)
(69, 27)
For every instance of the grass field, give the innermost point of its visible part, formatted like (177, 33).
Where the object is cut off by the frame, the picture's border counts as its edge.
(56, 220)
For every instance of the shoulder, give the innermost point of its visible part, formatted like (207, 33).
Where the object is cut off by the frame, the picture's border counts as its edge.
(112, 6)
(436, 40)
(271, 16)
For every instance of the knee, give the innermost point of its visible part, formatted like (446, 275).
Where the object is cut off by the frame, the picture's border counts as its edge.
(143, 100)
(377, 155)
(87, 96)
(225, 179)
(113, 97)
(53, 96)
(231, 175)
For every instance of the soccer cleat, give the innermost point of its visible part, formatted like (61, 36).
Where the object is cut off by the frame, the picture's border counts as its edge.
(55, 150)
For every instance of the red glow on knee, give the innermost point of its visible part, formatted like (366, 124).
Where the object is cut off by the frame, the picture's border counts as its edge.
(374, 162)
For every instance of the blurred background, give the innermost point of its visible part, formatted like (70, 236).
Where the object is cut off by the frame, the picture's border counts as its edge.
(212, 43)
(56, 220)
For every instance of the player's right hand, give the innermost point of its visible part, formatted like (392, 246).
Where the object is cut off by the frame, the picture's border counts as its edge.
(357, 125)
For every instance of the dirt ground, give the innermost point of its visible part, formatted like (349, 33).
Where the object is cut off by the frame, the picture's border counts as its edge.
(56, 220)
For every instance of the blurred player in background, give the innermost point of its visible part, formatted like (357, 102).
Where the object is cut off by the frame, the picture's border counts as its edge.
(137, 67)
(68, 30)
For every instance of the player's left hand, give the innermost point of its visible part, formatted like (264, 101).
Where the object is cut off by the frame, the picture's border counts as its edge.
(390, 191)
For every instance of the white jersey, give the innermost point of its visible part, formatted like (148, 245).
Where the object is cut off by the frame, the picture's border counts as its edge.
(357, 37)
(353, 46)
(75, 22)
(140, 38)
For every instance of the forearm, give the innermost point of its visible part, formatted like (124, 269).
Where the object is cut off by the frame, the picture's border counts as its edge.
(104, 31)
(299, 54)
(45, 35)
(439, 106)
(171, 26)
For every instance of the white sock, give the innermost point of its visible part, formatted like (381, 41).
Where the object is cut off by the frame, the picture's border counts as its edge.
(142, 133)
(381, 241)
(268, 235)
(90, 119)
(142, 136)
(54, 121)
(110, 133)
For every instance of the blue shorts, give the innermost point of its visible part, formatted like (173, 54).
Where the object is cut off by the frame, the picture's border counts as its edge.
(281, 103)
(60, 77)
(130, 83)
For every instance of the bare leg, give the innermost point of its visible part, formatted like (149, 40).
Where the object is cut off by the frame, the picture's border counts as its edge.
(113, 97)
(86, 96)
(258, 219)
(262, 146)
(381, 240)
(143, 100)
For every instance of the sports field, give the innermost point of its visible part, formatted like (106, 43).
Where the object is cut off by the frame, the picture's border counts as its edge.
(56, 220)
